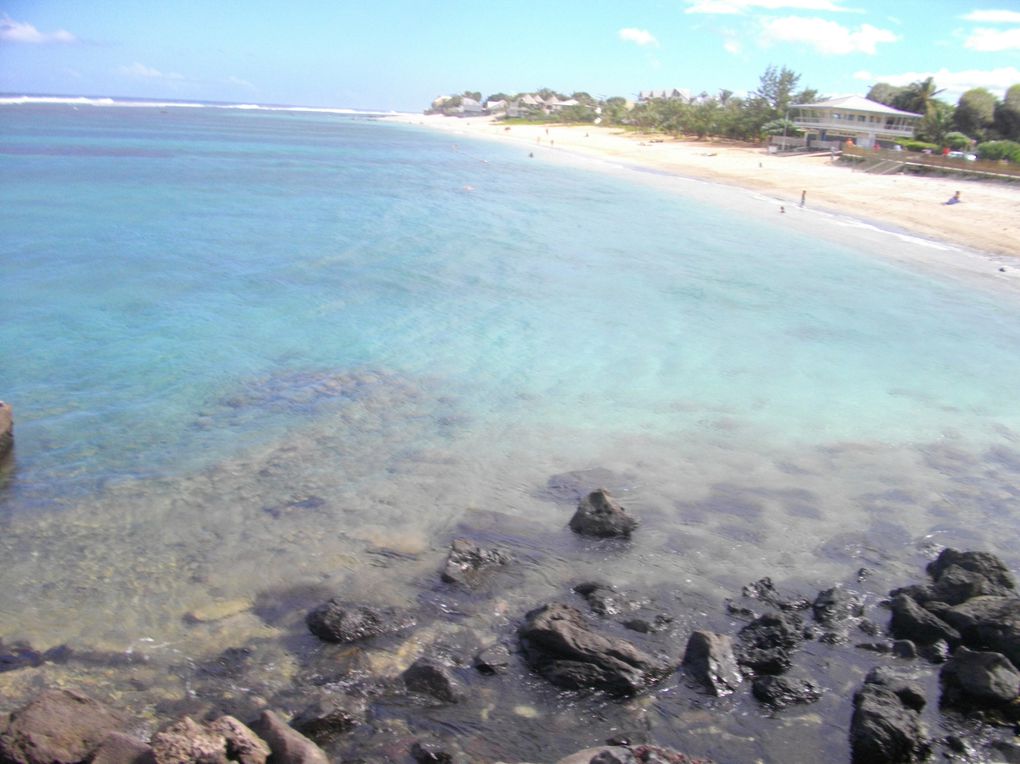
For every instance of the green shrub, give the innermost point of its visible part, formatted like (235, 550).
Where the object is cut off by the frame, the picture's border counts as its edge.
(995, 150)
(919, 146)
(957, 141)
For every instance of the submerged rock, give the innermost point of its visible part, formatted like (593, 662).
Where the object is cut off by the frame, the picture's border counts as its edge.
(468, 563)
(765, 591)
(329, 718)
(631, 754)
(709, 658)
(337, 621)
(835, 606)
(783, 691)
(429, 677)
(766, 643)
(57, 727)
(560, 645)
(288, 746)
(6, 429)
(599, 515)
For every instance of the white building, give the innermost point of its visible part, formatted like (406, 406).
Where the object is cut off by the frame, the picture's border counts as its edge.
(854, 118)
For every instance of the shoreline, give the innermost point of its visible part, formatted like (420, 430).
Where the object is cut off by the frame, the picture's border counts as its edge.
(985, 224)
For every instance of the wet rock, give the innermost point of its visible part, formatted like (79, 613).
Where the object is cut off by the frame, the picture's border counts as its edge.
(783, 691)
(6, 429)
(911, 621)
(904, 648)
(328, 718)
(571, 487)
(19, 655)
(956, 585)
(561, 646)
(429, 753)
(765, 591)
(288, 746)
(603, 599)
(648, 626)
(709, 659)
(989, 623)
(631, 754)
(599, 515)
(119, 748)
(57, 727)
(765, 643)
(188, 742)
(983, 563)
(885, 728)
(243, 745)
(909, 693)
(468, 563)
(833, 607)
(494, 659)
(337, 621)
(975, 679)
(429, 677)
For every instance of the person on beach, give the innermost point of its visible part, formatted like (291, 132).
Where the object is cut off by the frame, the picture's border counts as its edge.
(954, 199)
(803, 198)
(782, 210)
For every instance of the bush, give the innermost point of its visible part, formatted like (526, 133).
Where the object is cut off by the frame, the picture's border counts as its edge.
(957, 141)
(994, 150)
(919, 146)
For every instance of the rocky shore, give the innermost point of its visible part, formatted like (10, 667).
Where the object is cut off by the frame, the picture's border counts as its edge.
(943, 680)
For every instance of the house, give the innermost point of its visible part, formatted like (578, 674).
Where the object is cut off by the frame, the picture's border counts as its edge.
(853, 118)
(674, 94)
(525, 105)
(496, 106)
(469, 107)
(554, 104)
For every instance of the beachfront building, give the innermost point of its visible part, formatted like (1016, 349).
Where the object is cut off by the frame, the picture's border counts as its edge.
(673, 94)
(853, 118)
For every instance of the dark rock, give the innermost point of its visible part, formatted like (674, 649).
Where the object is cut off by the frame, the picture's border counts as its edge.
(560, 645)
(119, 748)
(646, 626)
(956, 585)
(883, 727)
(709, 659)
(604, 599)
(764, 590)
(972, 679)
(911, 621)
(904, 648)
(598, 514)
(6, 429)
(869, 627)
(765, 643)
(983, 563)
(875, 647)
(328, 718)
(782, 691)
(909, 693)
(835, 606)
(468, 563)
(19, 655)
(57, 727)
(1005, 751)
(494, 659)
(937, 652)
(614, 756)
(429, 753)
(288, 746)
(188, 742)
(919, 593)
(571, 487)
(336, 621)
(631, 754)
(989, 623)
(428, 677)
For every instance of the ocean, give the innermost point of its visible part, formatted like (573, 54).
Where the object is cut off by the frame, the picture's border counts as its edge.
(258, 357)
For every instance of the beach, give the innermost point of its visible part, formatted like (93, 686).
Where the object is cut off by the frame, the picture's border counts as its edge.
(988, 221)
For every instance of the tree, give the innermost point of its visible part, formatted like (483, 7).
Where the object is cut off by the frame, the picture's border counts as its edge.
(917, 97)
(807, 95)
(584, 98)
(614, 110)
(499, 97)
(975, 113)
(473, 94)
(884, 93)
(936, 123)
(1007, 115)
(775, 88)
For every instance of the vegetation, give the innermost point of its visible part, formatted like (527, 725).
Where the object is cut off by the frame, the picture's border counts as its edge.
(994, 150)
(977, 120)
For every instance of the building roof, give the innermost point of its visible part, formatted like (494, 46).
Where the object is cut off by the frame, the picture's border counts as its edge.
(856, 103)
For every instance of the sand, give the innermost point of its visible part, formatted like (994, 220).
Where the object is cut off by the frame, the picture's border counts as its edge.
(988, 220)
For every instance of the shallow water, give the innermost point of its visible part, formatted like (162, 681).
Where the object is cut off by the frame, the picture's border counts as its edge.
(256, 359)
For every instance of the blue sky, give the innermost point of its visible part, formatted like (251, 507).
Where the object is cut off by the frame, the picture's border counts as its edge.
(399, 54)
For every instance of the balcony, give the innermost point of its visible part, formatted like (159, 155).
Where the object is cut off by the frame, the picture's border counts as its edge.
(881, 128)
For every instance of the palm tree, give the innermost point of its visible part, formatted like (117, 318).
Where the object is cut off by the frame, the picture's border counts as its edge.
(918, 97)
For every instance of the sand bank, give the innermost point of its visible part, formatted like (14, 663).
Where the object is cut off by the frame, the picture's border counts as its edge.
(988, 220)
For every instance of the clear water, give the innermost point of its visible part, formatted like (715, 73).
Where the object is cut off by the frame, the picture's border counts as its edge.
(253, 352)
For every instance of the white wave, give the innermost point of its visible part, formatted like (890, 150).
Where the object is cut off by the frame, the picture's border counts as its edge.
(108, 102)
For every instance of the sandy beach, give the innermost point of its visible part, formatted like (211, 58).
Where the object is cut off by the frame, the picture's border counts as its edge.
(987, 221)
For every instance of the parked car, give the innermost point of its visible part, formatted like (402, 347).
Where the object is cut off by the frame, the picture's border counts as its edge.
(962, 155)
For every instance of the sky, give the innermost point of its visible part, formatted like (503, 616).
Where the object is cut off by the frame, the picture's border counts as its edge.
(400, 54)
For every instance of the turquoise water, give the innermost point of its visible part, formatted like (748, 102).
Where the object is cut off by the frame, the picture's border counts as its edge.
(214, 320)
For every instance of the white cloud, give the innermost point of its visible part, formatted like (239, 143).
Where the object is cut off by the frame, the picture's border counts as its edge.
(993, 40)
(993, 17)
(954, 84)
(825, 36)
(733, 46)
(143, 72)
(20, 31)
(742, 6)
(638, 36)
